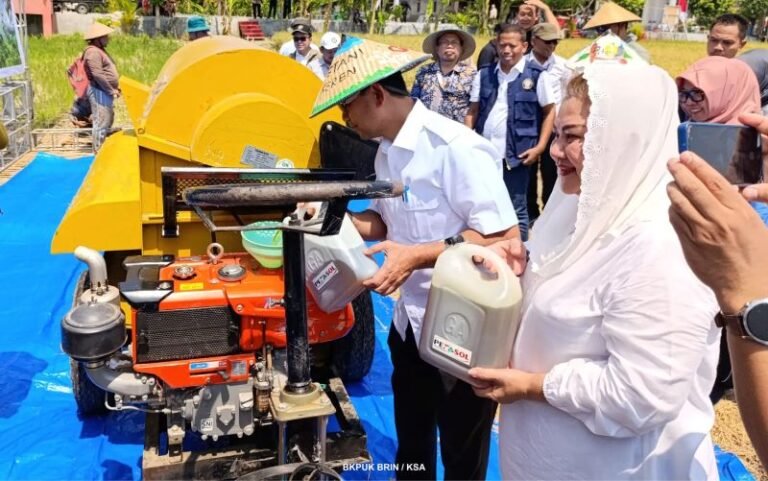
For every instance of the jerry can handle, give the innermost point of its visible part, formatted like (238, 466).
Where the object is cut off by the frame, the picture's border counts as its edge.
(503, 271)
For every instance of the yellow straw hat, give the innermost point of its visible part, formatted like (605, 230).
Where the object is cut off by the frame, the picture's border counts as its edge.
(97, 30)
(360, 63)
(609, 14)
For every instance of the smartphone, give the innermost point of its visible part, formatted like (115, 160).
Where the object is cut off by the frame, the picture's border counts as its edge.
(733, 150)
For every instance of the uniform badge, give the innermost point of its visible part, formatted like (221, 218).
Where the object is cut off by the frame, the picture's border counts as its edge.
(527, 84)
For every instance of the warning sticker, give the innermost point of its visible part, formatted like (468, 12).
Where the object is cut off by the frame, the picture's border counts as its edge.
(261, 159)
(191, 286)
(324, 276)
(451, 350)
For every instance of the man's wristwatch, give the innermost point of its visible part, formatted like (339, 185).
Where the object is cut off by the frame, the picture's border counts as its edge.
(452, 241)
(749, 323)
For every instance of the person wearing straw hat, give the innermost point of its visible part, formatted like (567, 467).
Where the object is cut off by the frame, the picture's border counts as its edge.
(103, 80)
(444, 85)
(197, 27)
(454, 193)
(511, 106)
(613, 17)
(329, 43)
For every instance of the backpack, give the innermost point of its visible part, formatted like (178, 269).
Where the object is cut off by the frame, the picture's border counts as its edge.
(78, 76)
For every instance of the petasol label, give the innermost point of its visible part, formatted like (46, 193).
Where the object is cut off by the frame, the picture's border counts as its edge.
(451, 350)
(324, 276)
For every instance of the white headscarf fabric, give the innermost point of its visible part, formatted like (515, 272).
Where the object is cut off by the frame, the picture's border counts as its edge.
(631, 134)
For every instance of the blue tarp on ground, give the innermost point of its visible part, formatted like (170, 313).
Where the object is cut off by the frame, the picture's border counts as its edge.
(41, 436)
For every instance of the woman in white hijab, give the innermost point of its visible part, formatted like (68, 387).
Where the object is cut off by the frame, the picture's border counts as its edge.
(616, 352)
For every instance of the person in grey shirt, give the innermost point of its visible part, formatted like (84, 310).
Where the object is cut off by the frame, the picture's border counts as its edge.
(757, 60)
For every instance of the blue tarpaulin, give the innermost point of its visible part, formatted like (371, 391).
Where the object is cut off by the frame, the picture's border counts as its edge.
(42, 436)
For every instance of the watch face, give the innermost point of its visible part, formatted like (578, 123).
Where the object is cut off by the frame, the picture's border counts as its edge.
(756, 321)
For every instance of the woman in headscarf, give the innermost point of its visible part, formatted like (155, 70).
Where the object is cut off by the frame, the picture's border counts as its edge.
(718, 89)
(617, 347)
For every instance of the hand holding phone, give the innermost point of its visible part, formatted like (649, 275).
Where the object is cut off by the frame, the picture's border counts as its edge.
(735, 151)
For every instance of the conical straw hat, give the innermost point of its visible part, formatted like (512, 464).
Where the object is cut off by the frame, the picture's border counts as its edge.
(98, 30)
(606, 48)
(359, 63)
(610, 13)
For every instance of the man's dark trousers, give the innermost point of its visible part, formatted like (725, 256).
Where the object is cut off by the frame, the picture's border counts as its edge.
(516, 180)
(545, 165)
(427, 399)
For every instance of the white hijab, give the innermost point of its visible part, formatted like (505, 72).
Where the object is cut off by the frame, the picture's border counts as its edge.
(631, 134)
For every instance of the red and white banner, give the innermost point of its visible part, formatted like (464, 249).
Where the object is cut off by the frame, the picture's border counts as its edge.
(683, 5)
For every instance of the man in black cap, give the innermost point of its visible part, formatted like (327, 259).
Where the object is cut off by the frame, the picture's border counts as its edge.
(301, 47)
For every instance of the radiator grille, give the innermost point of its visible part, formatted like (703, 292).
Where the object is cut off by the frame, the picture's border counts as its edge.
(186, 334)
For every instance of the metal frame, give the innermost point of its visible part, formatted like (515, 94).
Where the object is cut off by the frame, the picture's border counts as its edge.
(17, 106)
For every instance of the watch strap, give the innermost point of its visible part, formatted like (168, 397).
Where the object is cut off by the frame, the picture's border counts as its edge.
(732, 322)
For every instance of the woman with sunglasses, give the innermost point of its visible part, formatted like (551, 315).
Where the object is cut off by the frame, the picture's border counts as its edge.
(718, 90)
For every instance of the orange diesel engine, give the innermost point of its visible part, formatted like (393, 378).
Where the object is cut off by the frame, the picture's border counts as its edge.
(198, 321)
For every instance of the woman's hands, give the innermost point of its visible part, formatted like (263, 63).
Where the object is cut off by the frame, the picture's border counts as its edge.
(513, 252)
(508, 385)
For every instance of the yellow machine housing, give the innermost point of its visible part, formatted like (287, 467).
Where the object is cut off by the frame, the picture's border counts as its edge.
(215, 100)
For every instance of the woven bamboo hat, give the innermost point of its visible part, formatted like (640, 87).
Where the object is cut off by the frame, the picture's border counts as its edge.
(467, 42)
(609, 14)
(97, 30)
(360, 63)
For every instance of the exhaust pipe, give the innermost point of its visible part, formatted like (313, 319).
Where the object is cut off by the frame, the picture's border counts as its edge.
(97, 268)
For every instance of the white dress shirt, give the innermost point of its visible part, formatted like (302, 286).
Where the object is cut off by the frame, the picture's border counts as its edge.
(454, 183)
(319, 67)
(627, 339)
(556, 74)
(495, 128)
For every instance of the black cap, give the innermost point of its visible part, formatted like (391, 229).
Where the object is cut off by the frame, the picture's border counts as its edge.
(301, 25)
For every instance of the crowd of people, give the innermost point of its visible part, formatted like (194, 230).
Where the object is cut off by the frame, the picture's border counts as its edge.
(632, 257)
(638, 258)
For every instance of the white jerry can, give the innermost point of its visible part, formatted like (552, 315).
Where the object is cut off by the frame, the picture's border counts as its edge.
(336, 267)
(472, 314)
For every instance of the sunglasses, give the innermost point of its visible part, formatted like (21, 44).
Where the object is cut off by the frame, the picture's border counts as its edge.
(695, 95)
(300, 39)
(549, 42)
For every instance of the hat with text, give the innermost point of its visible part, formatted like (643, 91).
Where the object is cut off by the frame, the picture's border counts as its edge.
(606, 48)
(301, 25)
(360, 63)
(545, 31)
(609, 14)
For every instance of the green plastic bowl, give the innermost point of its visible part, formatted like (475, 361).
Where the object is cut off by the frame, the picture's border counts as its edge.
(266, 246)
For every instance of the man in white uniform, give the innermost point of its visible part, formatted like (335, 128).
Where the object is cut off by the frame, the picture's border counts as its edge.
(454, 193)
(303, 51)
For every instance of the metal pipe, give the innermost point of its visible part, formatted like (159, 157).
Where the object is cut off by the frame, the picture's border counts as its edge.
(123, 383)
(295, 296)
(97, 267)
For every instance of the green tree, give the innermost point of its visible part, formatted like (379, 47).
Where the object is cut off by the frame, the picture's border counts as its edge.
(754, 9)
(706, 11)
(634, 6)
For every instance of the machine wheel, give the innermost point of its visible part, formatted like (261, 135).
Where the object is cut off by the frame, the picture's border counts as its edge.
(352, 355)
(82, 8)
(89, 397)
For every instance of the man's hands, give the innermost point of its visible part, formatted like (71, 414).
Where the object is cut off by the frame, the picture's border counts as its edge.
(399, 263)
(723, 238)
(538, 4)
(508, 385)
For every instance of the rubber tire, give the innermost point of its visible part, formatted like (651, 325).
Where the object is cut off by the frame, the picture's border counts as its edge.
(88, 396)
(82, 8)
(352, 355)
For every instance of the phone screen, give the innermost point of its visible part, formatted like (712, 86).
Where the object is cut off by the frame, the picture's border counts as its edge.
(733, 150)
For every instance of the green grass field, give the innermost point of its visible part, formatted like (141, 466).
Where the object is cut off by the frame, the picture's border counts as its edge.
(141, 58)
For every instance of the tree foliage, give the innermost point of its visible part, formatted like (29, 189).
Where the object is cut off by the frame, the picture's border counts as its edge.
(753, 9)
(706, 11)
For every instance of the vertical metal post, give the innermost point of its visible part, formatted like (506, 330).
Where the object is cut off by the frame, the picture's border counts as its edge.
(295, 313)
(282, 442)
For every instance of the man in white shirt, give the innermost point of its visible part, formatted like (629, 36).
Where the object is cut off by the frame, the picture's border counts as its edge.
(453, 193)
(329, 43)
(512, 107)
(301, 30)
(545, 37)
